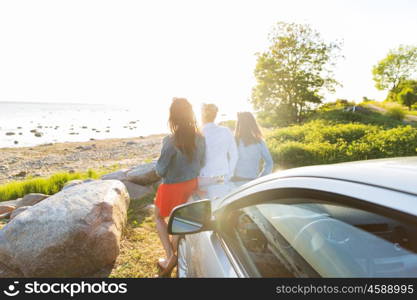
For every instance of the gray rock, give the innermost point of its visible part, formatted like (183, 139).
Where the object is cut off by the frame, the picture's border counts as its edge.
(143, 174)
(6, 210)
(31, 199)
(137, 191)
(17, 211)
(88, 180)
(118, 175)
(73, 233)
(21, 174)
(149, 209)
(11, 202)
(84, 148)
(72, 183)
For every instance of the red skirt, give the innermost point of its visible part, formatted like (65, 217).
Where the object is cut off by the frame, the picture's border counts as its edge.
(170, 195)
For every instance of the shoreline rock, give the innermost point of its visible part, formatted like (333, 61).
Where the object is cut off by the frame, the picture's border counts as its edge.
(143, 174)
(73, 233)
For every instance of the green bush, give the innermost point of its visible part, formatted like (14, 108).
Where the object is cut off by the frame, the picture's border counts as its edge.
(364, 117)
(322, 131)
(321, 142)
(396, 112)
(400, 141)
(49, 186)
(296, 154)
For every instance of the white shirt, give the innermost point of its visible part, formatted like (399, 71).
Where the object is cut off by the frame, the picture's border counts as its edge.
(221, 152)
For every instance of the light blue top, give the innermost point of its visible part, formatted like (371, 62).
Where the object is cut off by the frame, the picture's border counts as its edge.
(248, 164)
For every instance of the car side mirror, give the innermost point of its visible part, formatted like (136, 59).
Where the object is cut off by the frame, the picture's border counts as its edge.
(190, 218)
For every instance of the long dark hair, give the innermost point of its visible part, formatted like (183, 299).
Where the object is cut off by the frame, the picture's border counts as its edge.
(183, 126)
(247, 130)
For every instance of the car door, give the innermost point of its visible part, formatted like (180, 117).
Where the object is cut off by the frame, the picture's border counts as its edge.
(205, 257)
(288, 228)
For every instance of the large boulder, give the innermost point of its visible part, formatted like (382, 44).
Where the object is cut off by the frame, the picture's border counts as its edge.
(118, 175)
(73, 233)
(143, 174)
(137, 191)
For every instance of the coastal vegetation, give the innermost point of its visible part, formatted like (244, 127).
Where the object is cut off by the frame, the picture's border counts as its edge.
(394, 72)
(387, 105)
(332, 135)
(140, 247)
(49, 185)
(292, 74)
(292, 77)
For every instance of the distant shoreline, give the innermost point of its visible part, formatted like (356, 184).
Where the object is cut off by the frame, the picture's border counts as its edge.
(28, 124)
(17, 163)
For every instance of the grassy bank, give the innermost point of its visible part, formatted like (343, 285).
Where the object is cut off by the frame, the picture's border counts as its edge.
(333, 135)
(49, 185)
(140, 247)
(389, 105)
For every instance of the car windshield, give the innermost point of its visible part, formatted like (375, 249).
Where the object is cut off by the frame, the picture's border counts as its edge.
(326, 240)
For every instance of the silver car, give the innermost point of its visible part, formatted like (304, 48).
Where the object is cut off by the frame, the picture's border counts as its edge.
(344, 220)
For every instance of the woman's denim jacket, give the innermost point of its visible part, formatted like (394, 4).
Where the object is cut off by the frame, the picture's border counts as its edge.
(174, 166)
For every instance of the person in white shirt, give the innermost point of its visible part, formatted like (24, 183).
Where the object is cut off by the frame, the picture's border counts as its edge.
(221, 151)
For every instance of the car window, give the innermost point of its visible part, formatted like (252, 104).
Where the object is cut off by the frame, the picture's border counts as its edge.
(311, 239)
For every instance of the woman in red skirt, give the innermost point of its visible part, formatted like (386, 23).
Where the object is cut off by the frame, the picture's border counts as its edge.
(182, 157)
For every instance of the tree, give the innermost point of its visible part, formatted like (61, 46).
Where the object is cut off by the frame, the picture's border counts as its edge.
(407, 94)
(292, 73)
(399, 65)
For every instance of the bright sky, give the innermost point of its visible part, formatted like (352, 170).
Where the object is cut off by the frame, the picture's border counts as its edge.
(146, 52)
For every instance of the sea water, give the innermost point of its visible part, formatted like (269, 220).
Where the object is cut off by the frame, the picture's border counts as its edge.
(58, 122)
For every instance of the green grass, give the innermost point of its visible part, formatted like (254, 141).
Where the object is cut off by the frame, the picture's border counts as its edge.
(388, 105)
(140, 247)
(49, 185)
(339, 116)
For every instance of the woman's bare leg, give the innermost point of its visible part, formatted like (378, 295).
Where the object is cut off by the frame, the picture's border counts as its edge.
(161, 227)
(174, 242)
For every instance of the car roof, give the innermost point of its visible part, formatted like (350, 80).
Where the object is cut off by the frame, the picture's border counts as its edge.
(399, 174)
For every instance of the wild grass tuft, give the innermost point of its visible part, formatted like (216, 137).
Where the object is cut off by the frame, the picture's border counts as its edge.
(49, 185)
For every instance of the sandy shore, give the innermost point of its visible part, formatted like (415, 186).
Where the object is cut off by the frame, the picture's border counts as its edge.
(44, 160)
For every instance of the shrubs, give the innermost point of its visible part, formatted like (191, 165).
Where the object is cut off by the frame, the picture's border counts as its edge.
(365, 117)
(396, 112)
(49, 186)
(321, 142)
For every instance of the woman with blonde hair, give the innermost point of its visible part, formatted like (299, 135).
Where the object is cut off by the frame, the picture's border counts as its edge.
(252, 149)
(182, 157)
